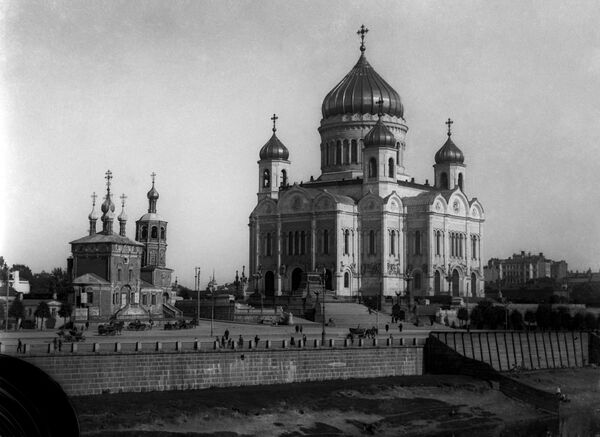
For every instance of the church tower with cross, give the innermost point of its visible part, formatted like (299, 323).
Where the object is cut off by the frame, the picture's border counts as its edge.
(370, 227)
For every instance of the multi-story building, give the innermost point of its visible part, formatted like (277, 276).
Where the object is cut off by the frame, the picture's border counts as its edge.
(521, 268)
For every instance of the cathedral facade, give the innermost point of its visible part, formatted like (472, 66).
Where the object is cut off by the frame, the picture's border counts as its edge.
(115, 276)
(364, 221)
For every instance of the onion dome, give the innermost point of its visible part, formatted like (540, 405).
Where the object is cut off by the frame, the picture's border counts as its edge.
(94, 214)
(108, 205)
(123, 216)
(274, 148)
(380, 136)
(449, 152)
(152, 194)
(358, 92)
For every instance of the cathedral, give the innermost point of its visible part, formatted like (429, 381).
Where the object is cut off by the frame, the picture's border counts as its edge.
(114, 276)
(364, 221)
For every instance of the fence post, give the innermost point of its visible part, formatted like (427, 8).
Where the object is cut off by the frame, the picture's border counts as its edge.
(360, 342)
(74, 348)
(346, 342)
(50, 348)
(316, 343)
(196, 344)
(401, 341)
(388, 342)
(138, 346)
(117, 347)
(331, 342)
(178, 346)
(284, 344)
(268, 344)
(158, 346)
(96, 347)
(374, 341)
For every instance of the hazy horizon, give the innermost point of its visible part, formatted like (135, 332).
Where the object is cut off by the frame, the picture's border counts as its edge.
(186, 89)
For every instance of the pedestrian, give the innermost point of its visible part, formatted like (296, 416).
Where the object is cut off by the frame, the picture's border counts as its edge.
(387, 327)
(292, 341)
(226, 334)
(223, 341)
(54, 342)
(300, 329)
(87, 325)
(256, 340)
(400, 326)
(241, 341)
(297, 329)
(304, 339)
(59, 344)
(19, 346)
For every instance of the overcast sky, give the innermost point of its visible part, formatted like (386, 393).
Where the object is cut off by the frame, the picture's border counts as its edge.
(186, 89)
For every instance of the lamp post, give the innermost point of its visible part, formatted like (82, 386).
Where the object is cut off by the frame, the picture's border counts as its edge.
(257, 277)
(212, 313)
(7, 294)
(197, 288)
(323, 280)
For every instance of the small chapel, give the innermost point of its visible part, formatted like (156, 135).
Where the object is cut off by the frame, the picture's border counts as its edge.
(364, 221)
(115, 276)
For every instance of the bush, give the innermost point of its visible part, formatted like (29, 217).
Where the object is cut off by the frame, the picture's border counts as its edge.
(27, 324)
(50, 322)
(589, 321)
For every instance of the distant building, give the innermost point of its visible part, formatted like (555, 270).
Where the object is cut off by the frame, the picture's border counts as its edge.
(521, 268)
(114, 276)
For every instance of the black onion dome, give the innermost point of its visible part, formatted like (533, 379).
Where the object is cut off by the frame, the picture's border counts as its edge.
(449, 153)
(152, 194)
(274, 149)
(380, 136)
(359, 91)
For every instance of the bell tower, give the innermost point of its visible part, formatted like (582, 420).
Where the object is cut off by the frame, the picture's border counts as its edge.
(449, 165)
(273, 166)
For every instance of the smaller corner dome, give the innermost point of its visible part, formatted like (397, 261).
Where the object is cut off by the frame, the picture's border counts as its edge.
(449, 153)
(380, 136)
(123, 216)
(274, 149)
(93, 215)
(152, 194)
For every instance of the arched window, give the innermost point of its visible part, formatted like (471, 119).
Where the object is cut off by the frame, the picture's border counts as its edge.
(418, 243)
(391, 168)
(269, 244)
(346, 242)
(303, 243)
(119, 274)
(473, 284)
(162, 233)
(296, 243)
(372, 168)
(130, 275)
(460, 181)
(461, 240)
(438, 246)
(437, 282)
(353, 151)
(372, 242)
(325, 242)
(474, 247)
(393, 243)
(266, 178)
(346, 280)
(444, 181)
(154, 233)
(331, 153)
(290, 243)
(338, 153)
(327, 154)
(417, 281)
(283, 178)
(346, 152)
(144, 232)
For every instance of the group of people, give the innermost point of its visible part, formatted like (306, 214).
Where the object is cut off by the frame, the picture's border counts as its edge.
(226, 341)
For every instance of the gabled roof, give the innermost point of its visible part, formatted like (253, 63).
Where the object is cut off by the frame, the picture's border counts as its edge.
(90, 278)
(103, 238)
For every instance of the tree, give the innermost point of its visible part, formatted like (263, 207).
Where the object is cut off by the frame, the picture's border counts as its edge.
(462, 315)
(24, 272)
(577, 321)
(542, 315)
(529, 318)
(477, 317)
(42, 312)
(589, 321)
(17, 310)
(516, 319)
(65, 311)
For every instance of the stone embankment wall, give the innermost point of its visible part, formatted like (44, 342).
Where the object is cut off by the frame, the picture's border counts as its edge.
(506, 350)
(95, 373)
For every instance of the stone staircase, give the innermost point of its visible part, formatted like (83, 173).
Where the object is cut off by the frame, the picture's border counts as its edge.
(348, 314)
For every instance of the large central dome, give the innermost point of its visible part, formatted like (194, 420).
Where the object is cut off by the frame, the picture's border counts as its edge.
(359, 91)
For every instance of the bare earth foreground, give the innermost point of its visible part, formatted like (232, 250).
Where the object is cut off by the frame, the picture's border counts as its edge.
(424, 405)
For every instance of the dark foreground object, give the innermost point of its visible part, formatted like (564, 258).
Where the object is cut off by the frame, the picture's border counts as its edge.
(31, 403)
(439, 405)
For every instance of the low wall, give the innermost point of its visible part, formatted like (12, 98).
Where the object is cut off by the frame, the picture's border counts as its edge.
(505, 350)
(88, 374)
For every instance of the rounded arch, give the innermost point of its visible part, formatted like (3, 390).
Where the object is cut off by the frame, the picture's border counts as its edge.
(346, 280)
(154, 232)
(166, 297)
(296, 278)
(460, 181)
(444, 180)
(266, 178)
(437, 282)
(144, 233)
(269, 284)
(372, 168)
(391, 169)
(455, 283)
(283, 178)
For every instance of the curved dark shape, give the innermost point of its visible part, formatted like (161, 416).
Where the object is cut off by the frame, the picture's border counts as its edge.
(32, 404)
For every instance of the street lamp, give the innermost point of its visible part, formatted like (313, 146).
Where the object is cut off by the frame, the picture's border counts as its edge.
(197, 288)
(257, 277)
(323, 280)
(212, 313)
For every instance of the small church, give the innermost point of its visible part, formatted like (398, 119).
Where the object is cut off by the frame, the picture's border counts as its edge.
(115, 276)
(365, 222)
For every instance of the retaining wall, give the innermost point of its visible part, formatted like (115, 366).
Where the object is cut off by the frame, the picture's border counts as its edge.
(88, 374)
(505, 350)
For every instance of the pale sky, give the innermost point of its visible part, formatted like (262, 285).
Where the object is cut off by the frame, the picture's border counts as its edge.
(186, 89)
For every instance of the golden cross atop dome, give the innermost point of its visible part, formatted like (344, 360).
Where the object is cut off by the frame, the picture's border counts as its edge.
(274, 118)
(449, 124)
(108, 177)
(362, 32)
(94, 196)
(153, 176)
(379, 104)
(123, 197)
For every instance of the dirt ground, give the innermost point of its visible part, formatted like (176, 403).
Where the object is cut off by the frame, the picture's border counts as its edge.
(408, 406)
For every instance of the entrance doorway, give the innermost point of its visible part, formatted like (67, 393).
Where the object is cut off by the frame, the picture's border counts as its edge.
(269, 284)
(328, 280)
(296, 278)
(455, 282)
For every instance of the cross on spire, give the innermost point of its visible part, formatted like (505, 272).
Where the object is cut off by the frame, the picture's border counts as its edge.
(108, 177)
(153, 176)
(123, 197)
(362, 32)
(94, 195)
(449, 124)
(379, 104)
(274, 119)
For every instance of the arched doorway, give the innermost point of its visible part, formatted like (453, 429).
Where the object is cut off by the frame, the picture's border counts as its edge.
(269, 284)
(329, 280)
(455, 283)
(296, 278)
(437, 282)
(473, 284)
(165, 297)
